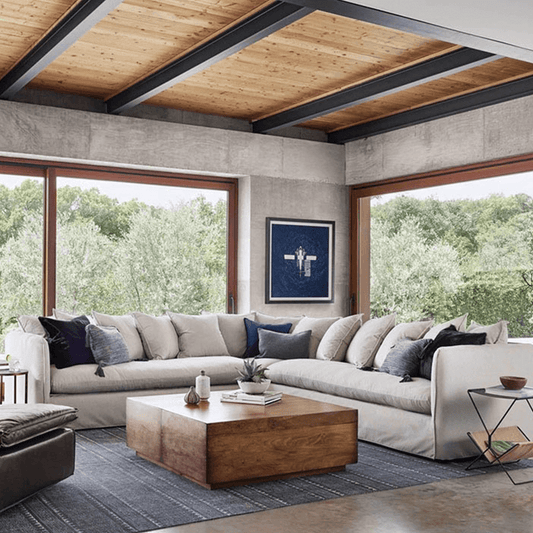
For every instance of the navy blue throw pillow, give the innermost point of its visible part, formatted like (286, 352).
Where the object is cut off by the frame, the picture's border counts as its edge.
(252, 336)
(66, 339)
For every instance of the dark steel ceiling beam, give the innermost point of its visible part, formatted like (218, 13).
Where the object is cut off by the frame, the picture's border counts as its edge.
(417, 27)
(265, 22)
(432, 69)
(460, 104)
(68, 30)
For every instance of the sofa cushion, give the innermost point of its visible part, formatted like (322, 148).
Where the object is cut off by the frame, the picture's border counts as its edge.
(268, 319)
(158, 335)
(408, 330)
(496, 333)
(366, 342)
(31, 324)
(404, 358)
(19, 423)
(107, 345)
(66, 339)
(64, 315)
(199, 335)
(128, 329)
(234, 332)
(348, 381)
(252, 335)
(338, 336)
(318, 327)
(284, 345)
(145, 375)
(459, 323)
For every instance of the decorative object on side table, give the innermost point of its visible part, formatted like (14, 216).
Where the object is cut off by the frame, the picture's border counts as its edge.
(253, 379)
(300, 262)
(513, 382)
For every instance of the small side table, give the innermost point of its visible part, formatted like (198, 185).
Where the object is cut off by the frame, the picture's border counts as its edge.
(522, 447)
(4, 372)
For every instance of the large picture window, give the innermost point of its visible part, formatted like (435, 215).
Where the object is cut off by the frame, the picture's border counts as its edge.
(439, 252)
(84, 239)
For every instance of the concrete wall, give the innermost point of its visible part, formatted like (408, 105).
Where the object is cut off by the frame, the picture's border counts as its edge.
(494, 132)
(282, 177)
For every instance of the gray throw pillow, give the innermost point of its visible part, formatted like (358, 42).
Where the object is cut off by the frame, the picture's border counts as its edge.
(107, 345)
(404, 358)
(284, 345)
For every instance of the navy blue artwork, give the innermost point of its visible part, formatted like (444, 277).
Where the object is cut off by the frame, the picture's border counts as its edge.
(300, 259)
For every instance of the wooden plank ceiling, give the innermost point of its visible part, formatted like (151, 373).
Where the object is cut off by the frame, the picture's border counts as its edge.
(304, 62)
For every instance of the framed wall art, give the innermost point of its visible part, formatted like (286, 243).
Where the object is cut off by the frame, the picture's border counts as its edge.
(300, 260)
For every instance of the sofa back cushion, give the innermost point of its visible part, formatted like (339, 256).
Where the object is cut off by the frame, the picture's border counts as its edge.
(338, 336)
(268, 319)
(318, 327)
(459, 323)
(198, 335)
(128, 329)
(234, 332)
(158, 335)
(496, 333)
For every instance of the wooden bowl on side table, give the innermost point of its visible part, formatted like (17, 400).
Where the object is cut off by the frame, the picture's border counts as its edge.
(513, 382)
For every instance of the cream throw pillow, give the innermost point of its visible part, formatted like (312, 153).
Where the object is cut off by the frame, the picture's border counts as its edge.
(409, 330)
(128, 329)
(362, 350)
(459, 323)
(31, 324)
(496, 333)
(199, 335)
(318, 327)
(234, 332)
(335, 341)
(158, 335)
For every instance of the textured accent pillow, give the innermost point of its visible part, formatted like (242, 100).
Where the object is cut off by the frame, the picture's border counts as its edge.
(447, 337)
(158, 335)
(31, 324)
(338, 336)
(404, 358)
(199, 335)
(284, 345)
(458, 323)
(234, 332)
(252, 336)
(107, 345)
(496, 333)
(318, 327)
(66, 340)
(362, 350)
(408, 330)
(128, 329)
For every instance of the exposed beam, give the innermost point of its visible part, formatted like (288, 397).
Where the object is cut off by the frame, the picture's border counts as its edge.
(432, 69)
(67, 31)
(249, 31)
(460, 104)
(424, 29)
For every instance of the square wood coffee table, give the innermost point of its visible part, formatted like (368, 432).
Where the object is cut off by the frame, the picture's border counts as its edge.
(218, 444)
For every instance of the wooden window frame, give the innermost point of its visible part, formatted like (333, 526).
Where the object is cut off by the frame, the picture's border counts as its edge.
(360, 196)
(50, 170)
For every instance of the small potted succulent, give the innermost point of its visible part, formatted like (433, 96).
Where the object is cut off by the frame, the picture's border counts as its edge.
(253, 379)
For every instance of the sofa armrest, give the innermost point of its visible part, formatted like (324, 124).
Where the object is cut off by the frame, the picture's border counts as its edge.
(34, 355)
(459, 368)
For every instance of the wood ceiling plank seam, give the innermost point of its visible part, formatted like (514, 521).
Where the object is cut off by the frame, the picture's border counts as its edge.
(451, 106)
(69, 29)
(417, 27)
(418, 74)
(263, 23)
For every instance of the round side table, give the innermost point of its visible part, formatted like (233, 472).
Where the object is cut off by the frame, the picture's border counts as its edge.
(5, 373)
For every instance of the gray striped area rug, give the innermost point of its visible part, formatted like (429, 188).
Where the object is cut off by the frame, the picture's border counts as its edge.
(115, 491)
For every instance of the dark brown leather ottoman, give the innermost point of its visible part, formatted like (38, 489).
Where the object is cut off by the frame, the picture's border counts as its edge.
(35, 449)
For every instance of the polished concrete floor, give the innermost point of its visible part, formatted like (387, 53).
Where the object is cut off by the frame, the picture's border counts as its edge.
(480, 504)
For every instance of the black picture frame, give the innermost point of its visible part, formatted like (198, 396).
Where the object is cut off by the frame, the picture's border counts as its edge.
(300, 261)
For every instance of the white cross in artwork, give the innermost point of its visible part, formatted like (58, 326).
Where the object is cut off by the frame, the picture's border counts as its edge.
(304, 263)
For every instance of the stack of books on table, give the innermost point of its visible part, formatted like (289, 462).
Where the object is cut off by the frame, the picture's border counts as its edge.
(238, 396)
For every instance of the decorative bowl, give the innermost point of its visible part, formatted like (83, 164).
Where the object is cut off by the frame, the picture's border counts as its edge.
(254, 387)
(513, 382)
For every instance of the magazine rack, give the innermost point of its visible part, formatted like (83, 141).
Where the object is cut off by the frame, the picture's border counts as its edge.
(518, 444)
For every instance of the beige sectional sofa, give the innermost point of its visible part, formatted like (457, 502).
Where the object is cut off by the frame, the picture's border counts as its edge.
(424, 417)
